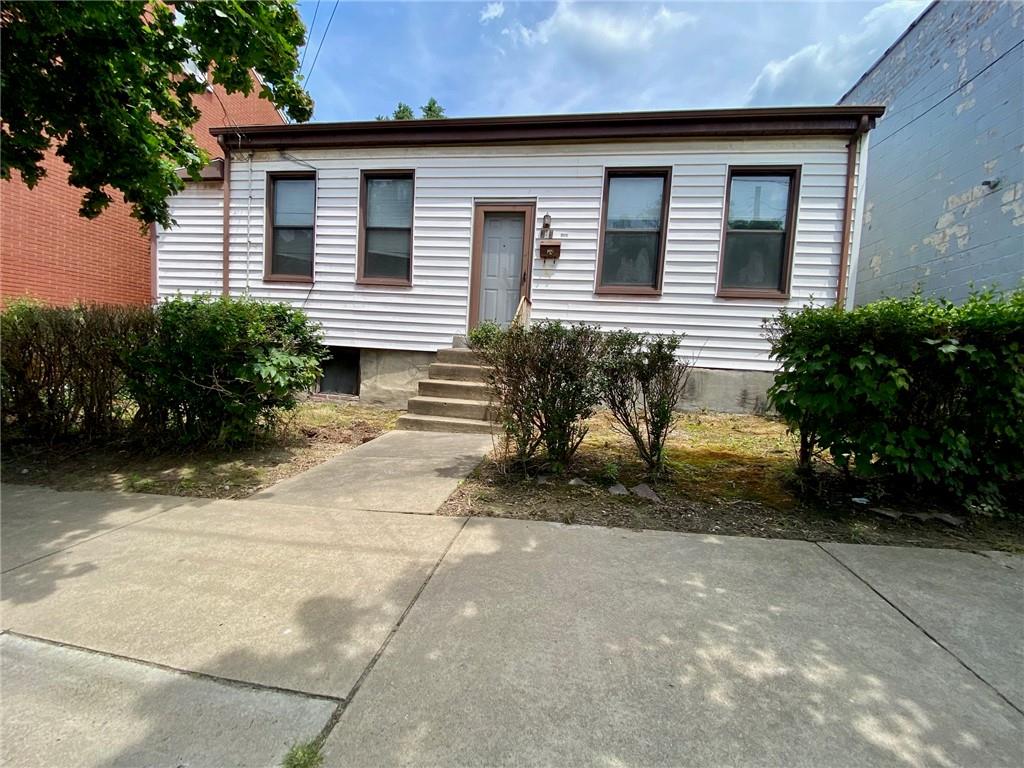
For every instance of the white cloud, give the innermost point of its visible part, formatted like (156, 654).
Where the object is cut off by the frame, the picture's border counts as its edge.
(491, 12)
(600, 29)
(819, 73)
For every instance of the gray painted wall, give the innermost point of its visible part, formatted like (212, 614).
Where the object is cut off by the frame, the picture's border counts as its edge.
(953, 88)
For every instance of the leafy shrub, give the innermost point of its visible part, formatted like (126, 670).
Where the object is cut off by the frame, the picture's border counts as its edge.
(194, 371)
(925, 392)
(220, 370)
(643, 380)
(63, 369)
(486, 334)
(546, 385)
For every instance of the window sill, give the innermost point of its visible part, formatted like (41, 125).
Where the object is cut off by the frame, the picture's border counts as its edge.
(626, 290)
(288, 279)
(385, 281)
(750, 293)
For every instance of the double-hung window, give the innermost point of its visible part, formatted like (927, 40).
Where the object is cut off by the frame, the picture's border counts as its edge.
(757, 251)
(291, 210)
(385, 238)
(632, 248)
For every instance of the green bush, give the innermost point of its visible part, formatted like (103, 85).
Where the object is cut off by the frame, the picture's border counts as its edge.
(193, 371)
(220, 370)
(546, 384)
(643, 380)
(925, 393)
(63, 369)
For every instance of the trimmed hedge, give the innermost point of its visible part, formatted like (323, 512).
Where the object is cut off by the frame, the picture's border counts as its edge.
(193, 371)
(922, 392)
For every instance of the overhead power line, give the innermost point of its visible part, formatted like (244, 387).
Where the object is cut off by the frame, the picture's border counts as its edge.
(951, 94)
(312, 26)
(312, 67)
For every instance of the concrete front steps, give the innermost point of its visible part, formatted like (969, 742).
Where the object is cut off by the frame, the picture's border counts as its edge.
(455, 397)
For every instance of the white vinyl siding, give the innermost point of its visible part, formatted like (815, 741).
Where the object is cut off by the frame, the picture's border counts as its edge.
(190, 255)
(566, 181)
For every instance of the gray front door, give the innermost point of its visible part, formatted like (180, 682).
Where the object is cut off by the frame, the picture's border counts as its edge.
(501, 276)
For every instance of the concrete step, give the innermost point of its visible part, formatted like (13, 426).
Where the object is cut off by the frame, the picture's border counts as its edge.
(459, 390)
(422, 423)
(458, 356)
(457, 372)
(450, 406)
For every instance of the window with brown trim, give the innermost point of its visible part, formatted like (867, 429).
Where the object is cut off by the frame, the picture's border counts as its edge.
(385, 237)
(291, 211)
(757, 247)
(634, 219)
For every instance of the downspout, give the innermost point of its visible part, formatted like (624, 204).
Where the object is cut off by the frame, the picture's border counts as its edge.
(226, 233)
(851, 172)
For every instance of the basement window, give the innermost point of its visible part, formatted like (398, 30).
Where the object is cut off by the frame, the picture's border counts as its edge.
(341, 372)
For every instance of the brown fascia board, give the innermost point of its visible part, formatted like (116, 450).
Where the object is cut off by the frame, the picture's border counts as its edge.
(212, 171)
(613, 126)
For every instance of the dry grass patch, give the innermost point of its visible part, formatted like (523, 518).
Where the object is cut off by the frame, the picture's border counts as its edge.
(728, 474)
(312, 434)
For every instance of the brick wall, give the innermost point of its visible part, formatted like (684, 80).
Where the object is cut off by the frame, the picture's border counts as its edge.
(944, 204)
(49, 252)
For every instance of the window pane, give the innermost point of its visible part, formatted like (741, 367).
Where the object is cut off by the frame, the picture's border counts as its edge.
(630, 258)
(389, 202)
(758, 202)
(293, 252)
(753, 260)
(634, 202)
(387, 253)
(294, 200)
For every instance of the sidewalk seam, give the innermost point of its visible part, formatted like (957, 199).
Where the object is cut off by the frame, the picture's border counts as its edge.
(335, 718)
(228, 681)
(184, 501)
(923, 631)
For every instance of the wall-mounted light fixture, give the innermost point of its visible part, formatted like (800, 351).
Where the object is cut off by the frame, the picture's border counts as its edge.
(549, 248)
(545, 228)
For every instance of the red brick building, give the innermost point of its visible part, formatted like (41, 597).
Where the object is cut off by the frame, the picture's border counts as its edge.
(49, 252)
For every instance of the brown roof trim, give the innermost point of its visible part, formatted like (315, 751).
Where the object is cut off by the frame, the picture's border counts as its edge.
(610, 126)
(212, 171)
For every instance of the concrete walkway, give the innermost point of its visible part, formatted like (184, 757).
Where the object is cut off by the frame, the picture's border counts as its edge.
(398, 472)
(157, 631)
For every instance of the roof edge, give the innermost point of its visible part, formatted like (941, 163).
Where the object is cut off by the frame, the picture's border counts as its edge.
(777, 121)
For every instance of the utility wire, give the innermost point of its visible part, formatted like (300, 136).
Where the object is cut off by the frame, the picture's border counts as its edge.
(949, 95)
(312, 26)
(312, 67)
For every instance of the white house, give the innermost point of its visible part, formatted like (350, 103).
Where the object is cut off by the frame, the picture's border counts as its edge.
(398, 236)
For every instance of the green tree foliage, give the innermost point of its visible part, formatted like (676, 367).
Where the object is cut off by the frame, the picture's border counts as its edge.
(925, 394)
(430, 111)
(105, 83)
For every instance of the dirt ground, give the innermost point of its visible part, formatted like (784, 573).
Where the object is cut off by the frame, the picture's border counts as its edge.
(312, 434)
(729, 474)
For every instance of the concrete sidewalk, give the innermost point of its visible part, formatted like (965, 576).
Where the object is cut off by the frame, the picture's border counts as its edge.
(164, 631)
(398, 472)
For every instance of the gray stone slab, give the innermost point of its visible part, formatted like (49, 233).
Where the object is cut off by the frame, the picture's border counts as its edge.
(404, 444)
(284, 596)
(972, 604)
(35, 521)
(67, 707)
(397, 472)
(537, 644)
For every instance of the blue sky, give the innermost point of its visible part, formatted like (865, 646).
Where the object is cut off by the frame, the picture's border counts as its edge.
(509, 58)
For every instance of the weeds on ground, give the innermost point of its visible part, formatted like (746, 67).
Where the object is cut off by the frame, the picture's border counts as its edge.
(303, 755)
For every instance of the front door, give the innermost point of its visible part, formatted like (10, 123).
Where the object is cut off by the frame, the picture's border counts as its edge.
(502, 269)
